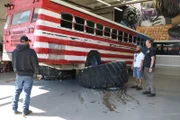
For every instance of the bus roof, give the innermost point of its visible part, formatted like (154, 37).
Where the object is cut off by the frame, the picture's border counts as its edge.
(94, 15)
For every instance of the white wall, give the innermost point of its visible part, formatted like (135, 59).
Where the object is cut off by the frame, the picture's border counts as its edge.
(168, 65)
(2, 18)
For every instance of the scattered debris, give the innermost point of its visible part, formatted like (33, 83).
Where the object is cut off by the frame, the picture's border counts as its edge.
(113, 89)
(93, 101)
(74, 90)
(9, 81)
(81, 99)
(62, 94)
(151, 103)
(105, 112)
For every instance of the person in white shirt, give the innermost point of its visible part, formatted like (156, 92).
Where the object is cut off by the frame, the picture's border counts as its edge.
(137, 67)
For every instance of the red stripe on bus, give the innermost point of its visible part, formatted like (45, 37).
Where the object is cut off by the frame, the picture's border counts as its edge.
(80, 44)
(48, 18)
(127, 62)
(71, 61)
(59, 61)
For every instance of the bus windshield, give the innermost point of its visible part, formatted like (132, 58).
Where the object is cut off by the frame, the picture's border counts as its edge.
(21, 17)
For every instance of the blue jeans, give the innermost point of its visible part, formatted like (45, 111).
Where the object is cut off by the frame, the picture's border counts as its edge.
(24, 83)
(137, 73)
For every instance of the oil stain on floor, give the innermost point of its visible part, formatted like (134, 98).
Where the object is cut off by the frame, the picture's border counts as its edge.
(114, 96)
(111, 98)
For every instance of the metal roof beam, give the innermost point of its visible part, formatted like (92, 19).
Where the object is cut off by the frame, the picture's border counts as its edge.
(77, 4)
(122, 4)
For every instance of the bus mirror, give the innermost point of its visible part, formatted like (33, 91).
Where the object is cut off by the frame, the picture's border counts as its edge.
(10, 6)
(7, 5)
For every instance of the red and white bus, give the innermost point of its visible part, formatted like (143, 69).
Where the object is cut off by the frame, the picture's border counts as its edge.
(67, 37)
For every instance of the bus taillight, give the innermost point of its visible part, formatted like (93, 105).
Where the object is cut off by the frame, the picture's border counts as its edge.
(30, 30)
(7, 33)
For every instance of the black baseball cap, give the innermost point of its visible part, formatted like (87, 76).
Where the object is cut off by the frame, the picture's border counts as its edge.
(24, 39)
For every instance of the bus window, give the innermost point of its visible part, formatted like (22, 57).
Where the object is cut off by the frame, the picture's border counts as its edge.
(79, 24)
(135, 40)
(143, 42)
(21, 17)
(99, 29)
(114, 34)
(125, 37)
(66, 20)
(7, 21)
(120, 38)
(35, 15)
(167, 48)
(89, 27)
(130, 39)
(139, 41)
(107, 32)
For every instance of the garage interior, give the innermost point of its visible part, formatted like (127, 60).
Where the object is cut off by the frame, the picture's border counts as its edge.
(67, 100)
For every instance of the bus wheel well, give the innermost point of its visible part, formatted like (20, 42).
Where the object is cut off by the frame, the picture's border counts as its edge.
(93, 51)
(93, 58)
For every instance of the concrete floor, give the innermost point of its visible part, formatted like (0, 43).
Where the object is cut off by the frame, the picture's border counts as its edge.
(66, 100)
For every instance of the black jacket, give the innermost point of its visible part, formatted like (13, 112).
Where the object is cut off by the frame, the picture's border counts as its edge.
(25, 61)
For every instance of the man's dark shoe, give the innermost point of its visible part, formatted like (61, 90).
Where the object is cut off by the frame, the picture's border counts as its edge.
(16, 112)
(146, 92)
(152, 95)
(27, 113)
(139, 88)
(134, 86)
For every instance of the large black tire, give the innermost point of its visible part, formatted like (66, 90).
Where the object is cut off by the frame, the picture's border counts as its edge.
(54, 74)
(103, 76)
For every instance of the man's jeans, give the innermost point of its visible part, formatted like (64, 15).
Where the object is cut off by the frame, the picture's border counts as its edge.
(24, 83)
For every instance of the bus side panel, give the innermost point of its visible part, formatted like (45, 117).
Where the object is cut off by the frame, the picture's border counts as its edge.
(76, 51)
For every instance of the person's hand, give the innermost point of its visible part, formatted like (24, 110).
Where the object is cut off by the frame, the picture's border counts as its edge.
(140, 69)
(131, 67)
(150, 70)
(39, 77)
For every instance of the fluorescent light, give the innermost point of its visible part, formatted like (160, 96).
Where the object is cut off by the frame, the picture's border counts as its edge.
(104, 2)
(118, 8)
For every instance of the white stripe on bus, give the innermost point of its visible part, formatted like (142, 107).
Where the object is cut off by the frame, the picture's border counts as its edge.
(79, 49)
(75, 58)
(49, 13)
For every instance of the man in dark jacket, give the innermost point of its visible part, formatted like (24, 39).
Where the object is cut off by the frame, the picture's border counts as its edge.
(25, 64)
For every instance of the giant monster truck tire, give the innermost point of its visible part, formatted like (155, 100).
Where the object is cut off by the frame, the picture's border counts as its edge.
(103, 76)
